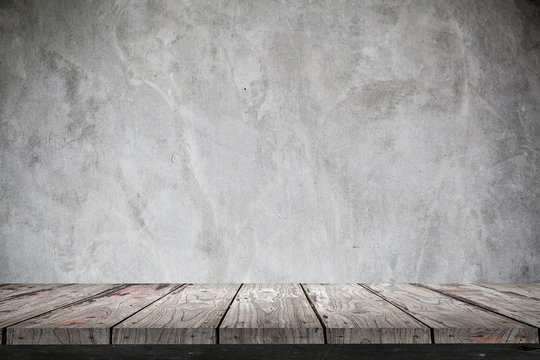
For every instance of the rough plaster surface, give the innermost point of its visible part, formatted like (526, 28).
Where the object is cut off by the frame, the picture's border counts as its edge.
(269, 141)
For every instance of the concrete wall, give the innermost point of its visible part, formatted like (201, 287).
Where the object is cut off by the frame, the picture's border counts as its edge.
(269, 141)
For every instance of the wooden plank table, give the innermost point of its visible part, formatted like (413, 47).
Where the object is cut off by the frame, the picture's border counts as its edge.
(271, 314)
(189, 315)
(353, 315)
(452, 320)
(88, 321)
(268, 314)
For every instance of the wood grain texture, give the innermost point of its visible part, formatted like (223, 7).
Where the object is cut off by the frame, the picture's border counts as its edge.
(513, 305)
(454, 321)
(189, 315)
(353, 315)
(531, 290)
(25, 306)
(271, 314)
(10, 291)
(88, 321)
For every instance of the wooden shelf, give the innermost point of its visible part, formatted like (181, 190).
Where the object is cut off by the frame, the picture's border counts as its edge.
(77, 314)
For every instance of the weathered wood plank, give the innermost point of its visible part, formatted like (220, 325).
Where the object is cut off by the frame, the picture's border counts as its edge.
(28, 305)
(513, 305)
(271, 314)
(531, 290)
(353, 315)
(454, 321)
(88, 321)
(189, 315)
(15, 290)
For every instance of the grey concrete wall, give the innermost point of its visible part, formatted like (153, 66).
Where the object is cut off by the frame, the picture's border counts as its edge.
(269, 141)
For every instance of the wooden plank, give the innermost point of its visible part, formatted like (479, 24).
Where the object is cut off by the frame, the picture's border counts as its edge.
(454, 321)
(189, 315)
(271, 314)
(15, 290)
(513, 305)
(28, 305)
(531, 290)
(88, 321)
(353, 315)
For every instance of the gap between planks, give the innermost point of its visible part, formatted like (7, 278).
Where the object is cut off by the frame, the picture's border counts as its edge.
(474, 303)
(454, 320)
(141, 309)
(225, 313)
(25, 290)
(431, 330)
(316, 313)
(531, 290)
(4, 329)
(41, 329)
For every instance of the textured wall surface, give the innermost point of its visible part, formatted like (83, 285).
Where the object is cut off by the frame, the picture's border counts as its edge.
(269, 141)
